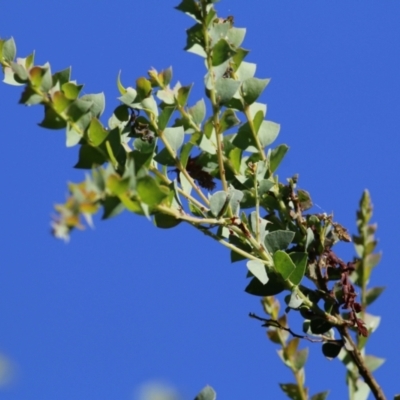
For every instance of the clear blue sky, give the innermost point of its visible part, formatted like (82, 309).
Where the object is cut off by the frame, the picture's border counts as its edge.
(125, 303)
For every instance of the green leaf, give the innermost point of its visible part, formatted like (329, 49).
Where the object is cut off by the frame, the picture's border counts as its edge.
(129, 97)
(219, 203)
(252, 88)
(62, 77)
(221, 52)
(98, 103)
(143, 88)
(300, 260)
(246, 71)
(236, 36)
(268, 132)
(120, 86)
(278, 240)
(191, 8)
(164, 158)
(198, 112)
(304, 199)
(183, 94)
(96, 132)
(165, 116)
(47, 80)
(226, 88)
(291, 390)
(165, 221)
(283, 264)
(195, 40)
(319, 326)
(52, 120)
(29, 97)
(299, 359)
(332, 349)
(20, 73)
(175, 137)
(274, 286)
(244, 139)
(9, 50)
(71, 90)
(207, 393)
(320, 395)
(257, 268)
(264, 186)
(228, 120)
(373, 293)
(150, 191)
(78, 108)
(117, 185)
(89, 157)
(112, 206)
(373, 363)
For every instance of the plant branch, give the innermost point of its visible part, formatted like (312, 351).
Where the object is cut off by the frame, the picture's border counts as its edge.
(362, 368)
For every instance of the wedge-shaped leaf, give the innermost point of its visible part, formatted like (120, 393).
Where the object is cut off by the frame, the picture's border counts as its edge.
(20, 73)
(29, 97)
(257, 268)
(198, 112)
(96, 132)
(295, 301)
(183, 95)
(332, 349)
(120, 86)
(372, 362)
(219, 203)
(52, 120)
(117, 185)
(373, 293)
(304, 199)
(274, 286)
(320, 396)
(219, 30)
(174, 136)
(112, 206)
(278, 240)
(129, 97)
(264, 186)
(252, 88)
(78, 108)
(236, 36)
(143, 88)
(299, 359)
(300, 260)
(319, 326)
(191, 8)
(150, 192)
(241, 245)
(60, 101)
(207, 393)
(276, 156)
(222, 51)
(165, 116)
(62, 77)
(246, 71)
(98, 103)
(291, 390)
(283, 264)
(71, 90)
(195, 40)
(236, 197)
(244, 139)
(228, 120)
(89, 157)
(165, 221)
(226, 88)
(9, 50)
(165, 158)
(268, 132)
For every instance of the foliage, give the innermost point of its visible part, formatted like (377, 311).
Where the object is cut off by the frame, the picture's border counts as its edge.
(225, 186)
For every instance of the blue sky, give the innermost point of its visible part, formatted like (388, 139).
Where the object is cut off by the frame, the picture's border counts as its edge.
(126, 304)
